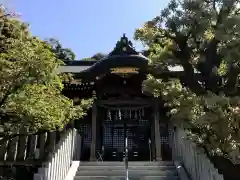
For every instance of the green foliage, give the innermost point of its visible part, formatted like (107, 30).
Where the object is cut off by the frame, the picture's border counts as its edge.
(201, 36)
(213, 120)
(30, 88)
(95, 57)
(64, 54)
(87, 59)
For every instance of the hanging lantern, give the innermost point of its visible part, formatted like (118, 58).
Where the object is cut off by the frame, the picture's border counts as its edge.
(119, 114)
(109, 115)
(135, 114)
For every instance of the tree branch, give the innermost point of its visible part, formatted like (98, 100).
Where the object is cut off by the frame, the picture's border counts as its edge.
(184, 55)
(9, 92)
(224, 12)
(232, 76)
(5, 15)
(165, 34)
(212, 60)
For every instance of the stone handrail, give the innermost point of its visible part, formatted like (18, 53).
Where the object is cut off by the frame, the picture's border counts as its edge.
(195, 161)
(59, 163)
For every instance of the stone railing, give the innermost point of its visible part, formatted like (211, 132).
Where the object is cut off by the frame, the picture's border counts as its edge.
(59, 162)
(195, 161)
(27, 149)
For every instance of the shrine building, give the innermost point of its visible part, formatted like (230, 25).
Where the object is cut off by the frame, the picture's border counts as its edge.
(121, 110)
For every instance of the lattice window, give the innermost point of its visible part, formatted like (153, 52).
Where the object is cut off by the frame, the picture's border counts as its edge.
(118, 139)
(86, 131)
(167, 139)
(164, 140)
(170, 136)
(107, 136)
(113, 137)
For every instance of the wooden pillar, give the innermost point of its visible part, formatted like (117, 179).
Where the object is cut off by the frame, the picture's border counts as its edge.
(153, 149)
(94, 133)
(157, 132)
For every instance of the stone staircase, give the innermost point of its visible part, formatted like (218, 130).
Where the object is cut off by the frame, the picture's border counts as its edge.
(116, 171)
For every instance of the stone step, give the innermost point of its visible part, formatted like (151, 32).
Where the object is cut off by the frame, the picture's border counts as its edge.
(130, 163)
(160, 178)
(131, 172)
(101, 168)
(123, 178)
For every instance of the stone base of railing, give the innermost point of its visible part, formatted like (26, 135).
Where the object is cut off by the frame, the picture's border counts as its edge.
(181, 171)
(58, 165)
(194, 159)
(72, 171)
(40, 174)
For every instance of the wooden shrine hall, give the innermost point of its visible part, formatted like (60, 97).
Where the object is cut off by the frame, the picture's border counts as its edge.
(121, 110)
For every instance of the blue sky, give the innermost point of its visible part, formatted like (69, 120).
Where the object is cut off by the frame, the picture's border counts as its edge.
(86, 26)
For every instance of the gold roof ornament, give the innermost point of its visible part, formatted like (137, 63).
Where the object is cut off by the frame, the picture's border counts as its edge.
(124, 71)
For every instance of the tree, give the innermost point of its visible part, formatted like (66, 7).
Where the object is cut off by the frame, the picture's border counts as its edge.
(64, 54)
(5, 13)
(98, 56)
(30, 88)
(203, 37)
(95, 57)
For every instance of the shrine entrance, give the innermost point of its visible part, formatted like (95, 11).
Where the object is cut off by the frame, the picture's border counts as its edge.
(121, 123)
(121, 108)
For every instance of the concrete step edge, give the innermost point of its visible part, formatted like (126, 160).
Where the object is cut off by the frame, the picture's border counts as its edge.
(120, 173)
(124, 176)
(130, 164)
(130, 170)
(123, 167)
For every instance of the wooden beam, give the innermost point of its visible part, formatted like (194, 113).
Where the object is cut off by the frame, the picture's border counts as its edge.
(123, 102)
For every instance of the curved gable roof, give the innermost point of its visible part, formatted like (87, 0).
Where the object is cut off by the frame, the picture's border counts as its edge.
(123, 55)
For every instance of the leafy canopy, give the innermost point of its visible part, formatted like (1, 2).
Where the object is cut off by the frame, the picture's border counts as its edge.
(202, 37)
(95, 57)
(30, 88)
(64, 54)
